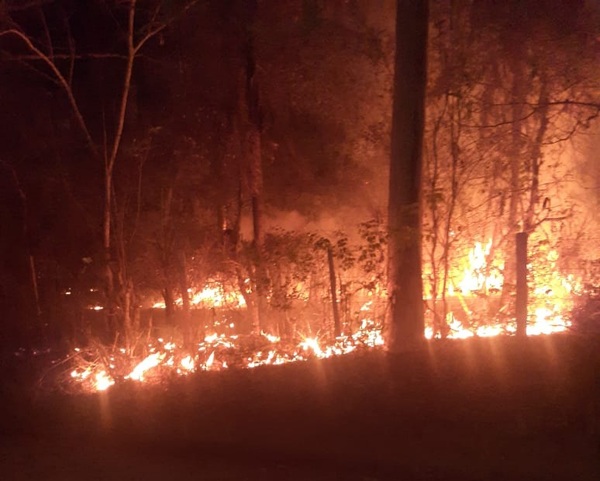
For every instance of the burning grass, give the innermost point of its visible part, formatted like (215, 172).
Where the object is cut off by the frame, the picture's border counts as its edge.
(165, 359)
(473, 308)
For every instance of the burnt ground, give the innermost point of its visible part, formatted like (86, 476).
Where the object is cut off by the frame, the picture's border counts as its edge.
(481, 409)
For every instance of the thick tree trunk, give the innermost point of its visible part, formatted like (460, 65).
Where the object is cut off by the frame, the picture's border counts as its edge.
(406, 328)
(252, 115)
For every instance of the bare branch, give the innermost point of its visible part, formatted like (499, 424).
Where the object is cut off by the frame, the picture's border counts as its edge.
(71, 49)
(126, 87)
(499, 124)
(15, 178)
(50, 46)
(68, 56)
(61, 80)
(45, 75)
(592, 105)
(153, 31)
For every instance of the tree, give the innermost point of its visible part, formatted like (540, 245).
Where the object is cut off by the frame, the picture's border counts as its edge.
(104, 146)
(404, 273)
(496, 128)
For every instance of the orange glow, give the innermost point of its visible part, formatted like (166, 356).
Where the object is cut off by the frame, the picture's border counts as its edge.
(480, 276)
(103, 381)
(212, 295)
(165, 356)
(148, 363)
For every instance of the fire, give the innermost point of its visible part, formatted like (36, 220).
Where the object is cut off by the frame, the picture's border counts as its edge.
(215, 296)
(481, 274)
(148, 363)
(550, 298)
(311, 343)
(188, 363)
(210, 361)
(103, 381)
(224, 350)
(212, 295)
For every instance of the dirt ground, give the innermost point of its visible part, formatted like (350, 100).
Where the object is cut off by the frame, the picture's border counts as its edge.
(481, 409)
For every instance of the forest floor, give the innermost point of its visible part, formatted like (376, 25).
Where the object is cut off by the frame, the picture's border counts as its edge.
(479, 409)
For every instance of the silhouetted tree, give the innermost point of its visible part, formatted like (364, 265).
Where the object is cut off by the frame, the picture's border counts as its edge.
(407, 326)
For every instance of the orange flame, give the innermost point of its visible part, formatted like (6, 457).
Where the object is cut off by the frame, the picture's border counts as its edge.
(480, 274)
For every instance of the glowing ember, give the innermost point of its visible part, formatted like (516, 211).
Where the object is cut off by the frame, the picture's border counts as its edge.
(270, 337)
(151, 361)
(210, 361)
(311, 344)
(103, 381)
(212, 295)
(187, 363)
(222, 350)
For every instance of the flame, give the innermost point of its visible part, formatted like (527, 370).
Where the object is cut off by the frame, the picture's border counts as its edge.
(221, 347)
(480, 274)
(103, 381)
(148, 363)
(188, 363)
(212, 295)
(312, 344)
(549, 299)
(215, 296)
(210, 361)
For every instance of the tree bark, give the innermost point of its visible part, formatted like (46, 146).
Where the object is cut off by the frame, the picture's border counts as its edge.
(407, 326)
(514, 187)
(110, 159)
(536, 157)
(521, 282)
(337, 331)
(252, 116)
(186, 318)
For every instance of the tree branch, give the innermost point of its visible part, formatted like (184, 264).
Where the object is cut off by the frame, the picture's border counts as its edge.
(68, 56)
(159, 28)
(61, 80)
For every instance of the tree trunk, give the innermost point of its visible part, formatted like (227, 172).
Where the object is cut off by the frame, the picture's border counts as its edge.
(521, 283)
(110, 158)
(169, 303)
(536, 157)
(406, 329)
(337, 331)
(186, 318)
(252, 116)
(516, 147)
